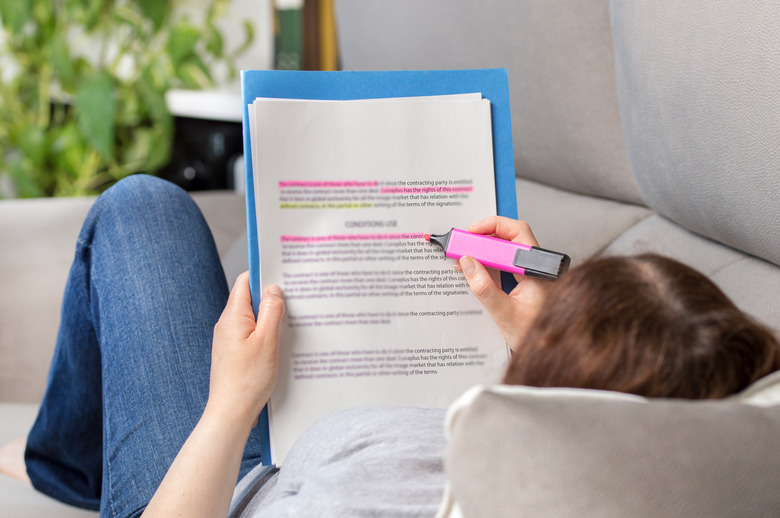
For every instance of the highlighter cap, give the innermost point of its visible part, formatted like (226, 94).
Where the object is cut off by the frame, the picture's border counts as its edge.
(542, 263)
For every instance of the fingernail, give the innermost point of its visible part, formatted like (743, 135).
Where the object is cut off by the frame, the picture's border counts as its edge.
(467, 265)
(275, 290)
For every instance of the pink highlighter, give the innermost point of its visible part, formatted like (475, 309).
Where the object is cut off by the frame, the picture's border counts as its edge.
(503, 255)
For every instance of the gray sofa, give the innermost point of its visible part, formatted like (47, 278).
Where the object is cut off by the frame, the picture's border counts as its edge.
(637, 126)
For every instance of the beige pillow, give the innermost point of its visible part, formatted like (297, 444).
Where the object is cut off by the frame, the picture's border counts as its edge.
(522, 451)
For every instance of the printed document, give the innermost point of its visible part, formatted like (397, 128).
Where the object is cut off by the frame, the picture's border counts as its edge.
(344, 192)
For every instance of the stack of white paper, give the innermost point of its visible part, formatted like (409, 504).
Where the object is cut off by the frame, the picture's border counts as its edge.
(344, 192)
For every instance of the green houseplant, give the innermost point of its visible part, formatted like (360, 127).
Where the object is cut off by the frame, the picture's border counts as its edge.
(83, 84)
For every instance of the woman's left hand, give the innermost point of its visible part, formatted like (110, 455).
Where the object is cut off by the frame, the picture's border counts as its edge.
(245, 354)
(513, 313)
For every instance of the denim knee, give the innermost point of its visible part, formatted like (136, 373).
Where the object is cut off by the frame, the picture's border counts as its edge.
(142, 193)
(142, 201)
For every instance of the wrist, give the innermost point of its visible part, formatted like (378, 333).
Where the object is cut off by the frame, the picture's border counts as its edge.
(232, 420)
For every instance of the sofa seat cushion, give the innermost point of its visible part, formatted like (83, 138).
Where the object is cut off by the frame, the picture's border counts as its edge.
(20, 500)
(522, 451)
(575, 224)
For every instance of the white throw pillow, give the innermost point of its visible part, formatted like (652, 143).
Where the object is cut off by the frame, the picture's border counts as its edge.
(523, 451)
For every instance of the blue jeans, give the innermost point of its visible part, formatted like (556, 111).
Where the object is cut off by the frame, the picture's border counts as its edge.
(130, 374)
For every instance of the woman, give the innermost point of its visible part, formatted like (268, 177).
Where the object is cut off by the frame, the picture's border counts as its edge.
(150, 402)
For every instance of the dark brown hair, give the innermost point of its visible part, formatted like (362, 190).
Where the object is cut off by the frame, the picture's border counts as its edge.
(646, 325)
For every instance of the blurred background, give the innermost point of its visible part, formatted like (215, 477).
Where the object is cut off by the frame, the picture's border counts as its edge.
(92, 91)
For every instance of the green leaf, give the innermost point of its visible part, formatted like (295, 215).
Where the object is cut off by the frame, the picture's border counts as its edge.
(160, 152)
(129, 110)
(214, 42)
(149, 151)
(43, 13)
(15, 13)
(94, 10)
(25, 178)
(95, 107)
(217, 9)
(32, 144)
(61, 61)
(82, 68)
(68, 150)
(194, 73)
(249, 37)
(156, 10)
(153, 96)
(138, 150)
(157, 76)
(133, 18)
(182, 40)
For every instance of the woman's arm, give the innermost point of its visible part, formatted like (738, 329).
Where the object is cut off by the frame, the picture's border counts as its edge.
(513, 313)
(244, 367)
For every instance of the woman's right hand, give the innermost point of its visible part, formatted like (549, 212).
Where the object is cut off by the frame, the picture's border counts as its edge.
(513, 312)
(244, 367)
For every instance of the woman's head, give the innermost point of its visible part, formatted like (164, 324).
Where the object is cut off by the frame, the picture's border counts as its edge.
(646, 325)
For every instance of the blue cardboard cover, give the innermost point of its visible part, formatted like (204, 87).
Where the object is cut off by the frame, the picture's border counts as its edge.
(493, 84)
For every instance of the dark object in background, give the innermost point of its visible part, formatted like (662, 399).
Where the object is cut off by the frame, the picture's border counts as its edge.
(204, 154)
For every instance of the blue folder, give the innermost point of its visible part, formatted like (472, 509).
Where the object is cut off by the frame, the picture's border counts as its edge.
(493, 84)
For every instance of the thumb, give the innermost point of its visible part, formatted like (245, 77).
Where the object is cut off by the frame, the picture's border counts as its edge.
(490, 294)
(270, 312)
(238, 319)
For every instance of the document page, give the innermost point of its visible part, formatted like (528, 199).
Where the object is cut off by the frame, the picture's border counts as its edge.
(344, 192)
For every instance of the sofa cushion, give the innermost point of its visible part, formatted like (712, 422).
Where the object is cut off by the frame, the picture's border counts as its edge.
(38, 242)
(20, 500)
(698, 88)
(753, 284)
(575, 224)
(565, 121)
(521, 451)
